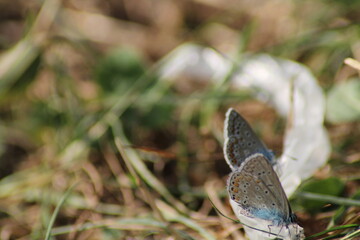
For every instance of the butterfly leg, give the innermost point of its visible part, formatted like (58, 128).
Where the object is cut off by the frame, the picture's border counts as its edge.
(269, 230)
(281, 230)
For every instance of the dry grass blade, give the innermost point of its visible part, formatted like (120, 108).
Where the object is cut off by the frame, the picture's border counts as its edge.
(136, 163)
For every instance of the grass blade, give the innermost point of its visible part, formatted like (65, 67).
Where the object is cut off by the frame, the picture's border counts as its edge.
(56, 211)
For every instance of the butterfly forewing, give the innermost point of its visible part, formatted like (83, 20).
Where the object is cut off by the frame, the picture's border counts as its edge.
(241, 141)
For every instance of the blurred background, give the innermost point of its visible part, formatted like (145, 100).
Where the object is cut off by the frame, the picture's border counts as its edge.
(94, 145)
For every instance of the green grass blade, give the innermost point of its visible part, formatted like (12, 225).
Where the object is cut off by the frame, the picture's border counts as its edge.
(56, 211)
(352, 235)
(331, 230)
(331, 199)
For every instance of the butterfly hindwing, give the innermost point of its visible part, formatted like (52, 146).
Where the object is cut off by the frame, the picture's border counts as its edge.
(257, 189)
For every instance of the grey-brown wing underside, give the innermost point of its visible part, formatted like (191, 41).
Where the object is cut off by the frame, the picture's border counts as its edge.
(241, 141)
(258, 191)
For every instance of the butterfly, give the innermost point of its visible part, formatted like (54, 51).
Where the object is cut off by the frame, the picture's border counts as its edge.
(253, 185)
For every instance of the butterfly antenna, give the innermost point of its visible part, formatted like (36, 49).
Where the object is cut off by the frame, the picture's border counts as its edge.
(219, 212)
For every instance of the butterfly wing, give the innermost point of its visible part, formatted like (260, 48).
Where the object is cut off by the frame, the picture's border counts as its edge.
(241, 141)
(258, 191)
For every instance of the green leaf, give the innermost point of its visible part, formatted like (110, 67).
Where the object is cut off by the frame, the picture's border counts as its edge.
(331, 186)
(118, 70)
(343, 102)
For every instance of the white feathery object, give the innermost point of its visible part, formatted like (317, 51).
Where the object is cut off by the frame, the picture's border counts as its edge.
(306, 143)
